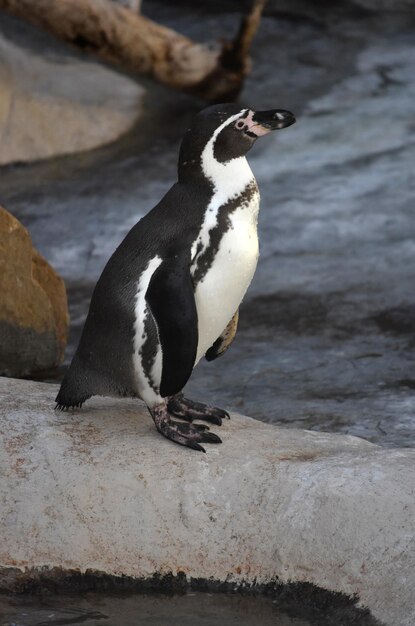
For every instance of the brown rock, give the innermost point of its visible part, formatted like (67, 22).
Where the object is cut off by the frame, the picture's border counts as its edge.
(54, 287)
(33, 307)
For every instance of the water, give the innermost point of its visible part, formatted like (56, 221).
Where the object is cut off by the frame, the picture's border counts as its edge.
(327, 329)
(203, 609)
(145, 611)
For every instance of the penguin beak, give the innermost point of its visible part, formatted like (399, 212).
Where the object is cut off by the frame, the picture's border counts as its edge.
(275, 119)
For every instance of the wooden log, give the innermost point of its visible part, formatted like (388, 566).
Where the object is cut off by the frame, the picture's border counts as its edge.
(143, 47)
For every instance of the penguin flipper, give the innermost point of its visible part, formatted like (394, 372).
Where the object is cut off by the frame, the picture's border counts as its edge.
(223, 342)
(172, 303)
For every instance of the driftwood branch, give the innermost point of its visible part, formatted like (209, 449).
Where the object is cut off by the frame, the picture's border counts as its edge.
(239, 48)
(142, 47)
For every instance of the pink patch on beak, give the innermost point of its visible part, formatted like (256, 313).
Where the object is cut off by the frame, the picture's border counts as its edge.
(254, 127)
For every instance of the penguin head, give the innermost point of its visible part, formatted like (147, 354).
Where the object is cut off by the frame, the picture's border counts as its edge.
(230, 130)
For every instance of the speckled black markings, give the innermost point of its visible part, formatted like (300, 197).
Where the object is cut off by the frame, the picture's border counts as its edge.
(148, 351)
(205, 259)
(199, 249)
(189, 435)
(190, 410)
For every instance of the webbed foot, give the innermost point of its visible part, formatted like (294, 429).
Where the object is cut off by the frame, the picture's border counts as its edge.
(190, 435)
(189, 410)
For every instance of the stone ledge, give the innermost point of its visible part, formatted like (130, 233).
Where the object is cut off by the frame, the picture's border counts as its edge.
(100, 490)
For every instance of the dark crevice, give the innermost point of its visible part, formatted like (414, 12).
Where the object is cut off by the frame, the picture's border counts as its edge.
(317, 606)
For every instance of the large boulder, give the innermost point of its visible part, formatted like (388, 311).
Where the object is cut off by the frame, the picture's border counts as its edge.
(33, 307)
(58, 103)
(100, 492)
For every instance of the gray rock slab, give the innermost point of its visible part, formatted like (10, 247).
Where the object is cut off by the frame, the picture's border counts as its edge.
(58, 103)
(99, 489)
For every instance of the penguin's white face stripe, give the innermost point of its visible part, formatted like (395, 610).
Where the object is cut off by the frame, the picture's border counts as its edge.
(225, 176)
(145, 389)
(229, 179)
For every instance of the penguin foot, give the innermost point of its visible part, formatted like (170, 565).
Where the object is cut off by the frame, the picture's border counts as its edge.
(189, 410)
(190, 435)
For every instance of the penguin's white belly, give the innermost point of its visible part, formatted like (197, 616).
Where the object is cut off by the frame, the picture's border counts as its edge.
(219, 294)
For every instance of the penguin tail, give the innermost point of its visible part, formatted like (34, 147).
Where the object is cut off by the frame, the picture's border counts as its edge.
(74, 390)
(63, 405)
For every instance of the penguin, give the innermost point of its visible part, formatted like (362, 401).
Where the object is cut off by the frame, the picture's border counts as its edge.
(171, 291)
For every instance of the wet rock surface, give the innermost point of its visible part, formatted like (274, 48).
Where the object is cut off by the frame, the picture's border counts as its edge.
(33, 306)
(327, 328)
(99, 493)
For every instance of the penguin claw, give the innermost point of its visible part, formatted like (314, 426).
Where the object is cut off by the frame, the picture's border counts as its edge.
(196, 446)
(185, 434)
(201, 427)
(211, 438)
(189, 410)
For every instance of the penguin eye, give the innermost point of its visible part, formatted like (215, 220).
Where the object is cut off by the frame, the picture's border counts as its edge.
(240, 124)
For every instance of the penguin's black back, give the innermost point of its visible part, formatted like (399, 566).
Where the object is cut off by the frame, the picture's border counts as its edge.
(103, 362)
